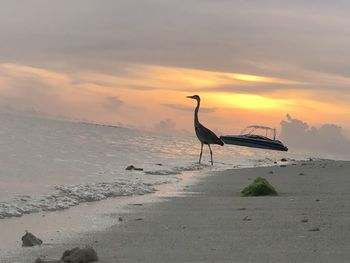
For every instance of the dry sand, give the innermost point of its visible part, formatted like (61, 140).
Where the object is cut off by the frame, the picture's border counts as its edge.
(308, 222)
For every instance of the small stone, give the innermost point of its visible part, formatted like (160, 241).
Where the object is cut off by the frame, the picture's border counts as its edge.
(78, 255)
(138, 219)
(283, 160)
(120, 219)
(247, 218)
(304, 220)
(301, 174)
(283, 165)
(29, 240)
(314, 229)
(271, 172)
(133, 168)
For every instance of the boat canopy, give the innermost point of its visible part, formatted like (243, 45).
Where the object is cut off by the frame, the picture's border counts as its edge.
(252, 128)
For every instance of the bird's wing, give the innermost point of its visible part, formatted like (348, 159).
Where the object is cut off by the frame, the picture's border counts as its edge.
(207, 136)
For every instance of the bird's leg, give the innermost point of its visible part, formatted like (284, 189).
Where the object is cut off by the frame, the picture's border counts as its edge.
(200, 155)
(211, 154)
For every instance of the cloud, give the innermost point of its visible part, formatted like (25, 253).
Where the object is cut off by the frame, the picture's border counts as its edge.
(214, 35)
(182, 107)
(165, 126)
(328, 138)
(51, 92)
(228, 34)
(113, 103)
(168, 127)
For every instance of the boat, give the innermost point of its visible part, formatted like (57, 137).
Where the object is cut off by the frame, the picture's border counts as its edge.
(250, 138)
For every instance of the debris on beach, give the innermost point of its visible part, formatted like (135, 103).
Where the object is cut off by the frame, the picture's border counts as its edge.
(29, 240)
(133, 168)
(78, 255)
(247, 218)
(304, 220)
(301, 174)
(314, 229)
(283, 160)
(271, 172)
(260, 187)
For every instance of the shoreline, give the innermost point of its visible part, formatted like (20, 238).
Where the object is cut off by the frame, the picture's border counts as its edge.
(84, 219)
(209, 222)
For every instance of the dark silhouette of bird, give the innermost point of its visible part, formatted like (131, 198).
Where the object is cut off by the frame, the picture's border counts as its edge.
(204, 135)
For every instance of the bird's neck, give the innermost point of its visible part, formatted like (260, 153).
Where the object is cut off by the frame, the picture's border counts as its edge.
(196, 112)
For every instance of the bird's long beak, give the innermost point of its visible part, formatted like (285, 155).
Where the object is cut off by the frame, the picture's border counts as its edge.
(189, 97)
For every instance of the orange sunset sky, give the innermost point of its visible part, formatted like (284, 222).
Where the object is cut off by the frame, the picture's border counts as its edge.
(134, 62)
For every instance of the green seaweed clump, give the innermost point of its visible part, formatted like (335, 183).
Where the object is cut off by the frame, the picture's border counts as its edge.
(133, 168)
(260, 187)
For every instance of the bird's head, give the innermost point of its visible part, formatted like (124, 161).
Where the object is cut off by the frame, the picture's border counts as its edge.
(195, 97)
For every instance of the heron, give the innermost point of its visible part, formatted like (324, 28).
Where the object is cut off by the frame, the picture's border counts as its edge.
(204, 135)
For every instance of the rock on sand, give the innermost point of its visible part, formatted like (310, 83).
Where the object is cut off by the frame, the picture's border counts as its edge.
(78, 255)
(29, 240)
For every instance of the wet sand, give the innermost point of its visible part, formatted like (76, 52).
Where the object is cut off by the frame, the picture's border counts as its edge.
(209, 222)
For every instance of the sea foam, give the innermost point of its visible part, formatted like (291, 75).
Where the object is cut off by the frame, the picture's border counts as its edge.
(64, 197)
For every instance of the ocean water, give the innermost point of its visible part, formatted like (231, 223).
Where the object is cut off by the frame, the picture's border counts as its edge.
(49, 165)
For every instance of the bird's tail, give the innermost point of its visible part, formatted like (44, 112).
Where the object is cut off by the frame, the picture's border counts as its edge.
(220, 142)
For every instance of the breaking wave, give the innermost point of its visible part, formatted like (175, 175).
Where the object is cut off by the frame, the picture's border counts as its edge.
(64, 197)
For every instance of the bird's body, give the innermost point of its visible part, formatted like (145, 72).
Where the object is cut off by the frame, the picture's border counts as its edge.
(204, 135)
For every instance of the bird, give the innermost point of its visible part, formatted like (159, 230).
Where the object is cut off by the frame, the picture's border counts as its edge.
(204, 135)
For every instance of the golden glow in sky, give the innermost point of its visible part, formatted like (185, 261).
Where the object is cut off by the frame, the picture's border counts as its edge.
(142, 95)
(250, 101)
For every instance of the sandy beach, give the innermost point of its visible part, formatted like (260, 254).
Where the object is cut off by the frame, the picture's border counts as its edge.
(210, 222)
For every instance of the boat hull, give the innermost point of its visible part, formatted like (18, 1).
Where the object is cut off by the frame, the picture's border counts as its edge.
(254, 143)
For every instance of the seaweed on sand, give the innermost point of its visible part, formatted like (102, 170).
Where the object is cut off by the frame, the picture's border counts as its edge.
(260, 187)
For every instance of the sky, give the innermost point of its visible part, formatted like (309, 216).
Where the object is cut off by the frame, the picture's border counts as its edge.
(133, 62)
